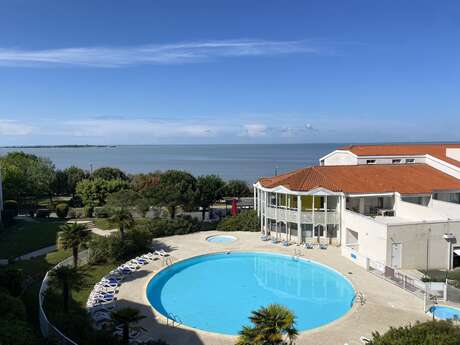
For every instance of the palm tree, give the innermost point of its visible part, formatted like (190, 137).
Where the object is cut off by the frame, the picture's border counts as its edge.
(123, 219)
(73, 236)
(273, 325)
(66, 278)
(126, 317)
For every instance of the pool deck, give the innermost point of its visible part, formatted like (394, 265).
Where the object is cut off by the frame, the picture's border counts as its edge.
(386, 304)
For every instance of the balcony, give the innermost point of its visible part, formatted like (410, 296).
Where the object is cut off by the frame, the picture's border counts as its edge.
(306, 217)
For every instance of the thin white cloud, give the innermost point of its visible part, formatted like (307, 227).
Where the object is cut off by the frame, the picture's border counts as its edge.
(155, 54)
(13, 128)
(255, 130)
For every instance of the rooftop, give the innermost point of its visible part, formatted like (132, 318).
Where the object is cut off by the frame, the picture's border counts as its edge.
(435, 150)
(380, 178)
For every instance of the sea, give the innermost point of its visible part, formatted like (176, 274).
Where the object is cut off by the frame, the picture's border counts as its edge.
(247, 162)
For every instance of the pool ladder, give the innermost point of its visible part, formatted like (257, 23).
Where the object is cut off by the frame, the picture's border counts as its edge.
(297, 254)
(173, 319)
(167, 261)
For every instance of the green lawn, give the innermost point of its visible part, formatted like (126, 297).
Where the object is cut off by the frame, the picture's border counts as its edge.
(24, 237)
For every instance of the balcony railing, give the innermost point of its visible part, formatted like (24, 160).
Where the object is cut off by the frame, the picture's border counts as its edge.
(306, 217)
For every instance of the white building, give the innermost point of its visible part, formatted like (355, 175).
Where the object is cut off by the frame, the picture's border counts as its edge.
(397, 205)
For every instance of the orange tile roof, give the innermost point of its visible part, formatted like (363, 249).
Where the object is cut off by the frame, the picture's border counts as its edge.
(435, 150)
(380, 178)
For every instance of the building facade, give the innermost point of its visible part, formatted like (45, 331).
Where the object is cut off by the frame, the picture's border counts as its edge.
(397, 205)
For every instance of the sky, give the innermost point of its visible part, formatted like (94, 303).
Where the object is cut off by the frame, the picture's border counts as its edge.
(215, 71)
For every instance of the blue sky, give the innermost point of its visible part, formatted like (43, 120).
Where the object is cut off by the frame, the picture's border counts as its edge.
(149, 72)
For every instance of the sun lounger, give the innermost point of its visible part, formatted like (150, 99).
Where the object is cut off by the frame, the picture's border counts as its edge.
(308, 245)
(286, 243)
(323, 246)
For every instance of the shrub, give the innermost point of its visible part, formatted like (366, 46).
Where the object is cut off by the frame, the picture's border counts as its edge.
(87, 212)
(100, 212)
(245, 221)
(426, 333)
(11, 206)
(75, 213)
(42, 213)
(159, 227)
(62, 210)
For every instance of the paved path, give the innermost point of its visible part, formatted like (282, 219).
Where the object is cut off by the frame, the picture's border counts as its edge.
(387, 305)
(36, 253)
(94, 229)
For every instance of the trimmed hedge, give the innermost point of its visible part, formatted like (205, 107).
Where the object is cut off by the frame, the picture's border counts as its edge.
(245, 221)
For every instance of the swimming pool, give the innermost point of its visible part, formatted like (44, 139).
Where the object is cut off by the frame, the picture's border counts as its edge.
(217, 292)
(221, 239)
(445, 313)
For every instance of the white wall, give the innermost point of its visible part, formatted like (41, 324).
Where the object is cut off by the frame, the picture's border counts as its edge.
(443, 166)
(389, 159)
(372, 235)
(414, 212)
(416, 238)
(450, 209)
(341, 158)
(453, 153)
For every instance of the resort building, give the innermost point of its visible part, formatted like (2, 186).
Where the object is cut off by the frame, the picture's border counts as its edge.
(397, 206)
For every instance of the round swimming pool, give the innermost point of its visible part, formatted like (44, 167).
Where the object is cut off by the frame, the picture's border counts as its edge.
(217, 292)
(445, 313)
(221, 239)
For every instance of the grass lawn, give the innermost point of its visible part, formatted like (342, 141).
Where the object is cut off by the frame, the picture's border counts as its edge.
(26, 236)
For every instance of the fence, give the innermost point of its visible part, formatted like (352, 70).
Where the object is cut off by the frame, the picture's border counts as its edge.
(47, 329)
(452, 292)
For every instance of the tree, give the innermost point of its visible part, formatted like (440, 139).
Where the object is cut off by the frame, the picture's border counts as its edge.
(109, 173)
(273, 325)
(122, 219)
(94, 192)
(209, 190)
(59, 185)
(145, 182)
(66, 278)
(244, 221)
(125, 318)
(237, 189)
(175, 188)
(74, 175)
(128, 199)
(26, 175)
(426, 333)
(73, 236)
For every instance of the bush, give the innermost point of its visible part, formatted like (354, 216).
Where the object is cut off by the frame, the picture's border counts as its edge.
(426, 333)
(159, 227)
(75, 213)
(113, 249)
(87, 212)
(100, 212)
(245, 221)
(42, 213)
(62, 210)
(11, 206)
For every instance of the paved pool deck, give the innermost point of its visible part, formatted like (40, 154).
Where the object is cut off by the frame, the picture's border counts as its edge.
(386, 304)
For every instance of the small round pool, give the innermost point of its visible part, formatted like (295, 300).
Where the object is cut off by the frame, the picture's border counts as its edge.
(221, 239)
(445, 313)
(217, 292)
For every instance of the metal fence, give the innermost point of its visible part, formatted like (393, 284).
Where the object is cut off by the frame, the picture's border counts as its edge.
(47, 329)
(452, 291)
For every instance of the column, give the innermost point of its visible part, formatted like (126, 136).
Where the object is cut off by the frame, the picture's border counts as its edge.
(288, 231)
(313, 214)
(299, 214)
(276, 214)
(255, 201)
(265, 211)
(325, 216)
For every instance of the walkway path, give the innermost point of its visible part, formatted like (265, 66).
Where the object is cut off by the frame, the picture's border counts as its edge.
(94, 229)
(387, 305)
(36, 253)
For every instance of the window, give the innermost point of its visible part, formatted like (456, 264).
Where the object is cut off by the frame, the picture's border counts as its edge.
(370, 161)
(410, 160)
(396, 161)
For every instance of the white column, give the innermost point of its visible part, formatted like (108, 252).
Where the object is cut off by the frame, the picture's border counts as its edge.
(288, 231)
(313, 214)
(265, 211)
(325, 216)
(299, 228)
(276, 214)
(255, 201)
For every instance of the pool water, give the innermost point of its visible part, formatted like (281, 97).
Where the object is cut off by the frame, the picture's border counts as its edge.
(445, 313)
(217, 292)
(221, 239)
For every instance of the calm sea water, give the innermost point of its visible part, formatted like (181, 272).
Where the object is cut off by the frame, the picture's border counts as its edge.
(247, 162)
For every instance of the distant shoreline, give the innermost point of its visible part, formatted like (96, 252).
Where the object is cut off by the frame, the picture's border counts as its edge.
(53, 146)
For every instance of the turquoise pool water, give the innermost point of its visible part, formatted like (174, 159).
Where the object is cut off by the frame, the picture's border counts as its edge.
(445, 313)
(221, 239)
(217, 292)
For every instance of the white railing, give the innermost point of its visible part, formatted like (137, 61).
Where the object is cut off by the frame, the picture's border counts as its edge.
(47, 329)
(306, 217)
